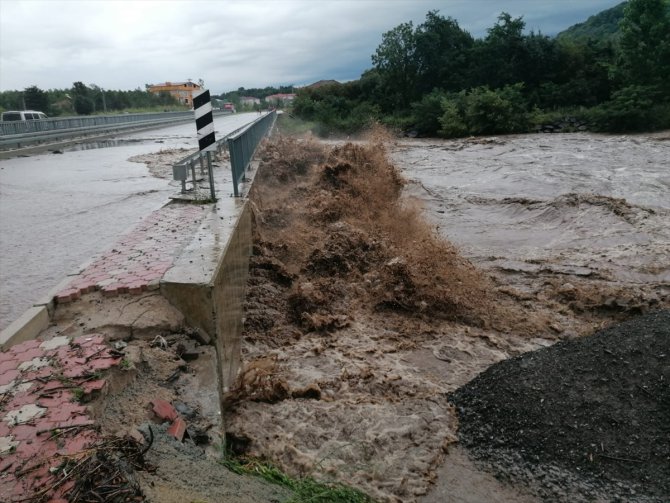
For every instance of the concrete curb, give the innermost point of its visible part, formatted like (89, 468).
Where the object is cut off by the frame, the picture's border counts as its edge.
(26, 327)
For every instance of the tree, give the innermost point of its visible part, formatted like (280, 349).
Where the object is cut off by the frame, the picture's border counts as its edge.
(83, 105)
(502, 55)
(36, 99)
(644, 57)
(79, 88)
(442, 53)
(396, 64)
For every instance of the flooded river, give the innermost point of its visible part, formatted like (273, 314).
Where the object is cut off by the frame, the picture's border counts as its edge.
(58, 210)
(580, 204)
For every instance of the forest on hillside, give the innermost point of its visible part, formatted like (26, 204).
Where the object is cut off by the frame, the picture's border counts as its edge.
(435, 79)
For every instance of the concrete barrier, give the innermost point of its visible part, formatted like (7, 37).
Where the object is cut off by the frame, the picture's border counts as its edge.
(25, 327)
(207, 282)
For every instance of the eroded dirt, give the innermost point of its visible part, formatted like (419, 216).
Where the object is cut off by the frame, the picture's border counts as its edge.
(161, 360)
(360, 319)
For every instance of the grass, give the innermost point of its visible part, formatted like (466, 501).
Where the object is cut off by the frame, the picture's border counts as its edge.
(305, 490)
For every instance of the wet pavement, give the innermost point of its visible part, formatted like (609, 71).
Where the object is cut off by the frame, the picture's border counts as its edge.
(46, 383)
(59, 210)
(140, 258)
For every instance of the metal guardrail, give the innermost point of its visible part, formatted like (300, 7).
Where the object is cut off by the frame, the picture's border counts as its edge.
(54, 130)
(244, 141)
(181, 168)
(90, 121)
(25, 139)
(242, 146)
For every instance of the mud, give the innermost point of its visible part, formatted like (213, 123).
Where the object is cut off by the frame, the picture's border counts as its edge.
(160, 163)
(361, 318)
(161, 360)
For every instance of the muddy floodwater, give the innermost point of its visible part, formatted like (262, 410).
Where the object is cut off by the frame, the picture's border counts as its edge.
(581, 204)
(361, 320)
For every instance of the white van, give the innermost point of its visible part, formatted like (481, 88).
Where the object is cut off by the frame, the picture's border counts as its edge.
(23, 115)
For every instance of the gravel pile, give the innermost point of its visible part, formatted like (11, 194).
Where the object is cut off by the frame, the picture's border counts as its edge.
(584, 418)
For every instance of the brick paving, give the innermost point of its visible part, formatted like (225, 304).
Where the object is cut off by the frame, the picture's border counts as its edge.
(43, 383)
(42, 419)
(140, 258)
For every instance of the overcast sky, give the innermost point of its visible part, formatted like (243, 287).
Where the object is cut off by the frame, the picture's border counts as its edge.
(124, 44)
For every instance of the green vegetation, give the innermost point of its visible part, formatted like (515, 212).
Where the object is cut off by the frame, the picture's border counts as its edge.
(81, 99)
(437, 80)
(603, 27)
(305, 490)
(77, 394)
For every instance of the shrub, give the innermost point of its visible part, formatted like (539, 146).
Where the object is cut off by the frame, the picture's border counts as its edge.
(427, 113)
(451, 121)
(484, 111)
(633, 108)
(496, 111)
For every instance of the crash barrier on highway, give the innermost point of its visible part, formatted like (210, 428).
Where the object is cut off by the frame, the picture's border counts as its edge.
(242, 146)
(19, 134)
(203, 160)
(52, 124)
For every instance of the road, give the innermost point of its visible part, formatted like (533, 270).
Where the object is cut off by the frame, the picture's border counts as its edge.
(58, 210)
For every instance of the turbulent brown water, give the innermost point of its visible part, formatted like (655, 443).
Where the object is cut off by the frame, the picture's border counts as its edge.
(586, 203)
(358, 323)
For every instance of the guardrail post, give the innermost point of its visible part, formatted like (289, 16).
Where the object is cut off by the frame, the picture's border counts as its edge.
(211, 176)
(192, 173)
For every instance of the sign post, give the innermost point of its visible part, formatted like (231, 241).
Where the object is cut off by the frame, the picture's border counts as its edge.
(204, 124)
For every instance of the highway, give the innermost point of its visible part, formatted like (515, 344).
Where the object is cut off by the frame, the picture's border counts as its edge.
(59, 210)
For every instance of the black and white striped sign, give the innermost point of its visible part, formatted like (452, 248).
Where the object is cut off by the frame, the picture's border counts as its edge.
(204, 121)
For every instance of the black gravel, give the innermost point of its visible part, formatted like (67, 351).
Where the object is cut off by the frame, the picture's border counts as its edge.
(583, 418)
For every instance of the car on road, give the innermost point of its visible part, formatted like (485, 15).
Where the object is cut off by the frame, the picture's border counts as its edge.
(23, 115)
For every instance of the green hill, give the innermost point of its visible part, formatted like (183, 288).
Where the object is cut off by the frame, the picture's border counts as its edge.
(603, 26)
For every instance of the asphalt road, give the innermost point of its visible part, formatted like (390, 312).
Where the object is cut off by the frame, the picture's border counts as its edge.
(59, 210)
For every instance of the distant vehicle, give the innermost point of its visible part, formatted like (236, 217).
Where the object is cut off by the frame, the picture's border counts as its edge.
(23, 115)
(228, 107)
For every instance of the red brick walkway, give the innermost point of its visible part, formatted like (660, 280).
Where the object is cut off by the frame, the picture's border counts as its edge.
(141, 257)
(42, 421)
(42, 384)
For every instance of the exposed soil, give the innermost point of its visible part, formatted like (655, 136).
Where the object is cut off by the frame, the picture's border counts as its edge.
(162, 360)
(360, 320)
(593, 410)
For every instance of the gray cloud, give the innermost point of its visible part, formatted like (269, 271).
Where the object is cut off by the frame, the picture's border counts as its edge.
(122, 44)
